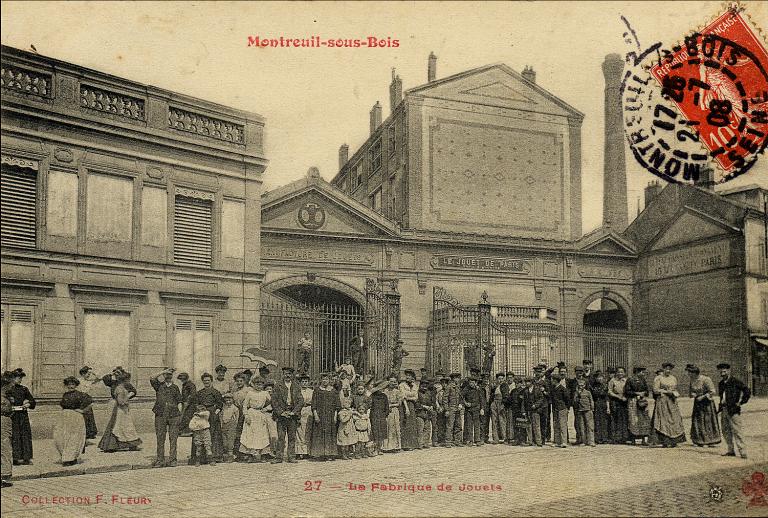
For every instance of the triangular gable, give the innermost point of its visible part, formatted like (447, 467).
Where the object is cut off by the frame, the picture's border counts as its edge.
(496, 85)
(604, 241)
(690, 225)
(312, 205)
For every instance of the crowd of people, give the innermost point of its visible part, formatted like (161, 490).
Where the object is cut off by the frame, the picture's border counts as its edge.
(343, 415)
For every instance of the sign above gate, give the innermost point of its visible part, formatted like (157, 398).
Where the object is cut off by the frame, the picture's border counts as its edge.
(313, 255)
(481, 264)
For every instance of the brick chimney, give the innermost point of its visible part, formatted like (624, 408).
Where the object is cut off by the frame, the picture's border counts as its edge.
(651, 191)
(529, 74)
(375, 117)
(614, 163)
(395, 91)
(432, 67)
(706, 178)
(343, 155)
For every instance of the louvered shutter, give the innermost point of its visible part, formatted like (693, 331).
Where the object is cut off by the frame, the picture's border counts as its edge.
(193, 346)
(18, 337)
(192, 232)
(18, 196)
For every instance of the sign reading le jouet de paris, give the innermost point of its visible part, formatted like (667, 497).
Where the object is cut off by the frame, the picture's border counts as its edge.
(491, 264)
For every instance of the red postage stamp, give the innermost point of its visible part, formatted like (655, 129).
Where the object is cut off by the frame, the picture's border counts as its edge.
(718, 80)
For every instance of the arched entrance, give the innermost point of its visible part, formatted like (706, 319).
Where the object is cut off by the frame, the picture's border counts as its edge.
(605, 323)
(340, 322)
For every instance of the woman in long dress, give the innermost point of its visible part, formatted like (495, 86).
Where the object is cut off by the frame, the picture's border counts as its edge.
(618, 407)
(667, 421)
(120, 433)
(325, 406)
(21, 401)
(305, 419)
(240, 391)
(599, 391)
(393, 442)
(705, 430)
(379, 413)
(70, 431)
(87, 381)
(258, 412)
(637, 392)
(409, 425)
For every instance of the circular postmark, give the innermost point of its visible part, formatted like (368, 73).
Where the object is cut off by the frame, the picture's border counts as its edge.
(700, 107)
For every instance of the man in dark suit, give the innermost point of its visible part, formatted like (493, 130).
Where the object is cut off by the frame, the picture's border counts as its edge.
(561, 401)
(733, 394)
(535, 406)
(287, 403)
(167, 412)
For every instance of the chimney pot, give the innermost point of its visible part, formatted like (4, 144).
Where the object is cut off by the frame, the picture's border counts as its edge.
(706, 178)
(395, 91)
(375, 117)
(432, 67)
(343, 155)
(529, 74)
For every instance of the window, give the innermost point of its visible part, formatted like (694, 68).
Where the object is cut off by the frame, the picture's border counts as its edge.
(391, 139)
(107, 340)
(61, 204)
(357, 176)
(17, 337)
(18, 196)
(193, 346)
(109, 208)
(154, 216)
(375, 152)
(393, 197)
(233, 229)
(375, 200)
(192, 232)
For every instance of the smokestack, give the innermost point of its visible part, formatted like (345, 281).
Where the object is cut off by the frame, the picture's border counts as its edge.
(395, 91)
(706, 178)
(529, 74)
(651, 191)
(343, 155)
(432, 67)
(614, 164)
(375, 117)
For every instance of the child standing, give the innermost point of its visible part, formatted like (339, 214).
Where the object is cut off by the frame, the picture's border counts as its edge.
(361, 417)
(346, 437)
(201, 434)
(230, 415)
(584, 408)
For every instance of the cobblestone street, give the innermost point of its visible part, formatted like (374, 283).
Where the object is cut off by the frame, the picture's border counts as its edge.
(608, 480)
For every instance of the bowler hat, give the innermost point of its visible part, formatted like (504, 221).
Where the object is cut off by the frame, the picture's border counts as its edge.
(667, 364)
(723, 365)
(71, 379)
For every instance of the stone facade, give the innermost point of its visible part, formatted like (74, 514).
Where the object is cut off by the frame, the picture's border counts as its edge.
(134, 250)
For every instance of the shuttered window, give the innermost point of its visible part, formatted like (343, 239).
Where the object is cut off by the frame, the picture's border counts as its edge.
(17, 337)
(193, 346)
(192, 232)
(18, 196)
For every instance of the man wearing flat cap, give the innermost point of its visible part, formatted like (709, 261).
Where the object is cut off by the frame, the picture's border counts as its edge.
(287, 402)
(167, 410)
(733, 394)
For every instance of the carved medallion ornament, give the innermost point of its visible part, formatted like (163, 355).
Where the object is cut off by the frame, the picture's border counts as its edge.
(311, 216)
(63, 154)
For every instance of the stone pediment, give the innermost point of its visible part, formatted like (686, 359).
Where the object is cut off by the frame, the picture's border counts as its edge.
(604, 241)
(496, 85)
(688, 226)
(312, 206)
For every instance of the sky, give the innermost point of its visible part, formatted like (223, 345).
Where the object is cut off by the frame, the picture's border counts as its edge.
(316, 99)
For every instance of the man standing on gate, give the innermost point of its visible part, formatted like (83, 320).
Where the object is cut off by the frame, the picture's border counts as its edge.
(167, 412)
(357, 350)
(733, 394)
(287, 403)
(305, 347)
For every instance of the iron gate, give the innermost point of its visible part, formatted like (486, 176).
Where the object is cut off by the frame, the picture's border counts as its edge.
(332, 328)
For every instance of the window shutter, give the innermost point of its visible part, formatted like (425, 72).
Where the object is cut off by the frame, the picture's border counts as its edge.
(192, 232)
(18, 196)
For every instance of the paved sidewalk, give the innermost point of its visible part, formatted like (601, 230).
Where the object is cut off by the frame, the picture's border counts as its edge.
(46, 461)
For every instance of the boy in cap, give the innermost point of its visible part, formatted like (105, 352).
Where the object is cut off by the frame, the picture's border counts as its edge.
(473, 404)
(201, 435)
(733, 394)
(454, 403)
(584, 410)
(304, 348)
(230, 415)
